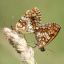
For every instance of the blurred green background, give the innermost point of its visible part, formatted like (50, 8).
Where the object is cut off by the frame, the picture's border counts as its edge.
(52, 11)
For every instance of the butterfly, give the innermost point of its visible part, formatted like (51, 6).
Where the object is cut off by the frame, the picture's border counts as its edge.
(45, 34)
(25, 24)
(34, 13)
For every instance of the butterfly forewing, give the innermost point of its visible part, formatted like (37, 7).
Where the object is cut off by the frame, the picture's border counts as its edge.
(46, 33)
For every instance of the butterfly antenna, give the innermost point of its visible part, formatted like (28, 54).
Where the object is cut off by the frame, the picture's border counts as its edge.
(51, 51)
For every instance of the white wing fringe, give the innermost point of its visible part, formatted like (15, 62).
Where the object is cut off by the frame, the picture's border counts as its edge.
(20, 44)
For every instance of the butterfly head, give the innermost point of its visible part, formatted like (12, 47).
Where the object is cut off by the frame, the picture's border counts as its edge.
(42, 49)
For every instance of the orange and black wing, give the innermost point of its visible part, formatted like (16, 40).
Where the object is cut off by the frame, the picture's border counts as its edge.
(46, 33)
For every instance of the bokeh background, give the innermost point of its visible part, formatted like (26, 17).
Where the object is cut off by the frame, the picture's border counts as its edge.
(52, 11)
